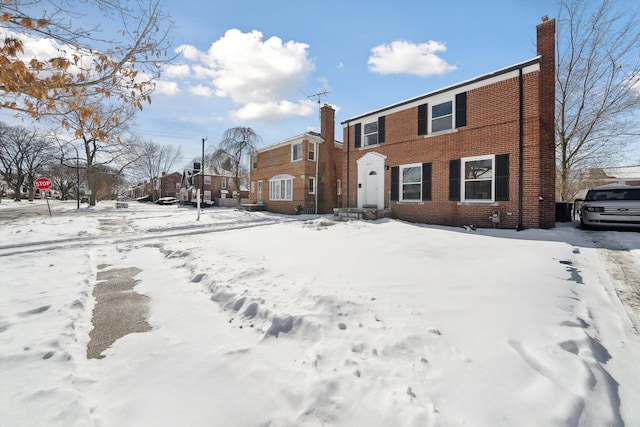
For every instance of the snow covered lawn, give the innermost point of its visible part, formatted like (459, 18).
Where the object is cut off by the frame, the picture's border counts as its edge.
(266, 320)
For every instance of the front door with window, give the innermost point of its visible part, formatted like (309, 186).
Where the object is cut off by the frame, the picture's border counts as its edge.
(371, 189)
(260, 183)
(371, 181)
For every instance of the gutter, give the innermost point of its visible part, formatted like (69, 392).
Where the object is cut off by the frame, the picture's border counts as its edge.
(520, 227)
(348, 160)
(317, 150)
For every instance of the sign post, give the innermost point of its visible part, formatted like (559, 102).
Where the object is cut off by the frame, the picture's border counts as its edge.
(43, 184)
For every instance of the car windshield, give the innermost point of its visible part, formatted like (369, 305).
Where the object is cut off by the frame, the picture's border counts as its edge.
(613, 194)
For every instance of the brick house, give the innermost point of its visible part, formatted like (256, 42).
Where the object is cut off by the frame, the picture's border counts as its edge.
(301, 173)
(212, 185)
(168, 185)
(480, 152)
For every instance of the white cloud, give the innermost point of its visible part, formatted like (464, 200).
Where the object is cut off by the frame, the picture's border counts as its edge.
(403, 57)
(274, 110)
(256, 74)
(167, 88)
(177, 71)
(201, 90)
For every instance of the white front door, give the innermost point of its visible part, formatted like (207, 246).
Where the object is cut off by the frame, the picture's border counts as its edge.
(371, 181)
(371, 189)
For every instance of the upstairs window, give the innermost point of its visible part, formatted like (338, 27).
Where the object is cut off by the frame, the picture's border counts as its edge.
(442, 116)
(254, 161)
(207, 180)
(371, 133)
(296, 152)
(312, 152)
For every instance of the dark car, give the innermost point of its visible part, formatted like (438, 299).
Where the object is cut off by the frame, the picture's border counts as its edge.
(166, 201)
(611, 206)
(84, 199)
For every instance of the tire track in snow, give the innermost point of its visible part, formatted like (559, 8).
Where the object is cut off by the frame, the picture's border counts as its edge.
(153, 234)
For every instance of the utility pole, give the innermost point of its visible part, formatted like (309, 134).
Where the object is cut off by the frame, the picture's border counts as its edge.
(202, 171)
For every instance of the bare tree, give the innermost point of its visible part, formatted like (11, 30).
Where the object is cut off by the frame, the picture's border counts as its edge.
(23, 154)
(597, 88)
(104, 145)
(84, 62)
(154, 161)
(236, 144)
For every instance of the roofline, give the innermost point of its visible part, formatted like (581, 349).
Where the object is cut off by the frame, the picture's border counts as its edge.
(307, 135)
(487, 76)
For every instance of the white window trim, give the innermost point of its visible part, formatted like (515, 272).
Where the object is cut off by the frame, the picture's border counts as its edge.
(207, 180)
(280, 179)
(223, 183)
(312, 191)
(463, 162)
(364, 135)
(293, 146)
(401, 183)
(438, 101)
(311, 155)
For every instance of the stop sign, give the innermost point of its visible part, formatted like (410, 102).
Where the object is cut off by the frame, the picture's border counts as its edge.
(42, 183)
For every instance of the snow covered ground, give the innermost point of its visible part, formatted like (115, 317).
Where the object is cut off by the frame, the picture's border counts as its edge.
(266, 320)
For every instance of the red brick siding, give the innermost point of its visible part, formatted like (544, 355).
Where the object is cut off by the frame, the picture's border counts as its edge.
(493, 127)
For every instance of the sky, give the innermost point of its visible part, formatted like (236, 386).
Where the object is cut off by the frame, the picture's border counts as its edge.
(259, 319)
(268, 65)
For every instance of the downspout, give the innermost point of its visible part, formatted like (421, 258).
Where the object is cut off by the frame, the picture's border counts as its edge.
(520, 227)
(317, 150)
(348, 162)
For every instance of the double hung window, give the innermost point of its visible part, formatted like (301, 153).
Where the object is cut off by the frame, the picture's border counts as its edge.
(478, 178)
(296, 152)
(411, 182)
(371, 133)
(442, 116)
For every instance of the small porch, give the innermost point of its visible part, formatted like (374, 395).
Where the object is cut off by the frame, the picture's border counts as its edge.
(370, 214)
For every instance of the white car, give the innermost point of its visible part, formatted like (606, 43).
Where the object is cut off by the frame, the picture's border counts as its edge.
(611, 206)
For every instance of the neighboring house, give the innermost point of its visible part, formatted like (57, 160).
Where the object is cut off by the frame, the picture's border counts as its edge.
(479, 152)
(300, 174)
(212, 185)
(168, 185)
(629, 175)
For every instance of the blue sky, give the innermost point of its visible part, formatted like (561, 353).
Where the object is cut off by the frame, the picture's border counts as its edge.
(257, 63)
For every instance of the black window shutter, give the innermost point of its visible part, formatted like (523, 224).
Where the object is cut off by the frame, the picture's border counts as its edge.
(358, 138)
(395, 182)
(454, 179)
(461, 109)
(422, 119)
(502, 177)
(381, 129)
(426, 181)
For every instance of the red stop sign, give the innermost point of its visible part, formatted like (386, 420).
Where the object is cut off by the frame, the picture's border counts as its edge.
(42, 183)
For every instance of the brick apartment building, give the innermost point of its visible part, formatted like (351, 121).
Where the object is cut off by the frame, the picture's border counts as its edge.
(299, 174)
(480, 152)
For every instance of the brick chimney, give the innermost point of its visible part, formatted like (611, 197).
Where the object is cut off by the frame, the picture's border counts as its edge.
(327, 166)
(546, 43)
